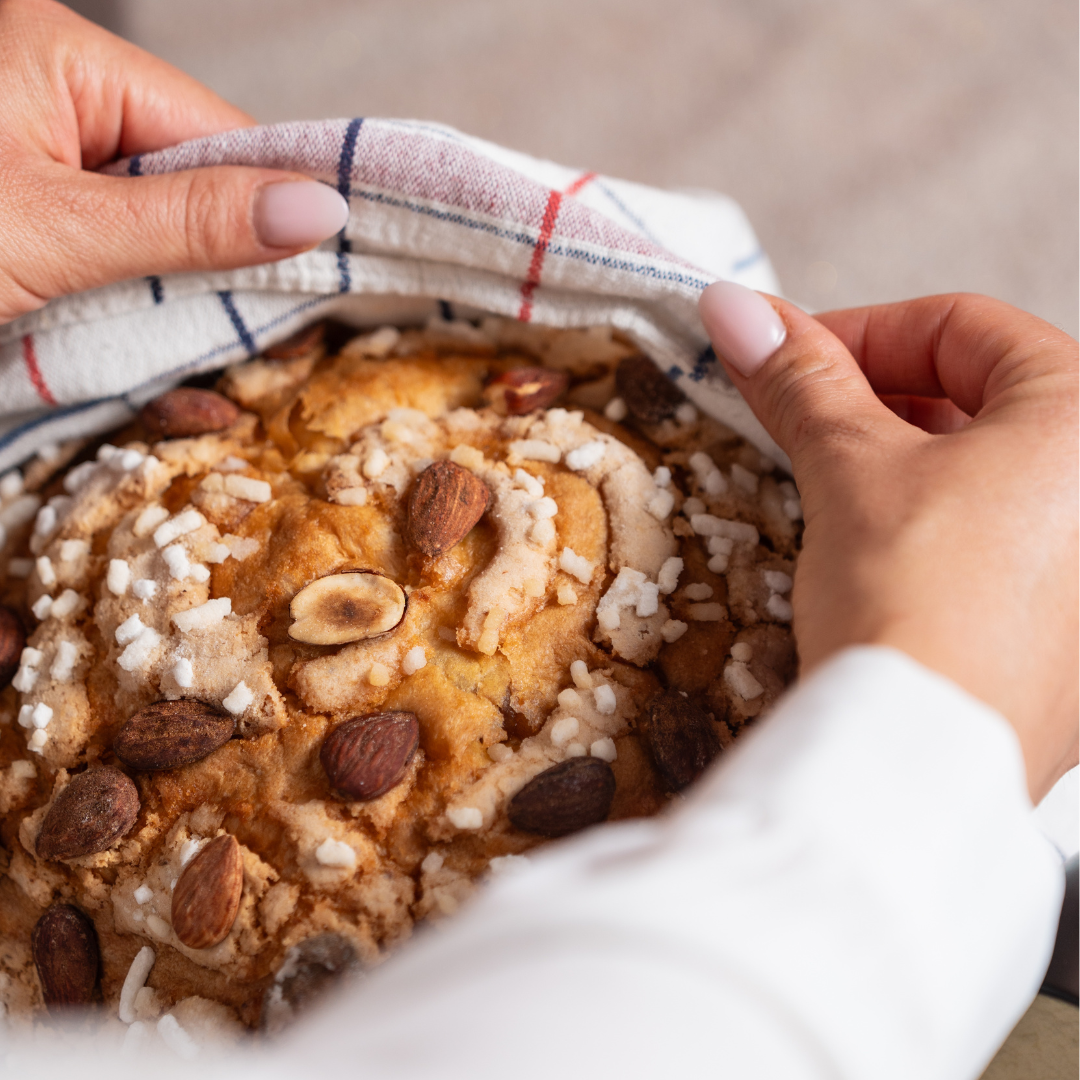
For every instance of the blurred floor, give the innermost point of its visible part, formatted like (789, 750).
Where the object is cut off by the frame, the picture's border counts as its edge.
(881, 150)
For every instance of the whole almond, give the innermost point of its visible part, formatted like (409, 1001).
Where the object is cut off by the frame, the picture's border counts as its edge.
(65, 948)
(445, 504)
(207, 894)
(367, 756)
(91, 814)
(188, 411)
(680, 737)
(309, 970)
(567, 797)
(521, 390)
(649, 394)
(300, 344)
(12, 641)
(169, 734)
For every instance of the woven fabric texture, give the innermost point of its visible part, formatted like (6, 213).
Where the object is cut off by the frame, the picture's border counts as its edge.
(440, 224)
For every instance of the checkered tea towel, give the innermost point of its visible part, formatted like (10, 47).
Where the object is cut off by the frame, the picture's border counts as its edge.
(439, 222)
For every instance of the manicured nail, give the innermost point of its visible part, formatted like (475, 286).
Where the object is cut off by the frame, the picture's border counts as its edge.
(296, 213)
(742, 325)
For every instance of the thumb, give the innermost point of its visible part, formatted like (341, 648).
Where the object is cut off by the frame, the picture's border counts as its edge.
(97, 229)
(797, 377)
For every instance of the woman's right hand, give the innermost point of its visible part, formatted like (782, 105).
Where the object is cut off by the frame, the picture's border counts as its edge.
(934, 444)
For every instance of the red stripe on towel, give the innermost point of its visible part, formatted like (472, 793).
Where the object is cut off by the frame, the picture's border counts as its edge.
(579, 183)
(532, 278)
(34, 371)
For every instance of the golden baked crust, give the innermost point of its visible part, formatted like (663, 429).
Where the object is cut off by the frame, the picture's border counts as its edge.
(574, 562)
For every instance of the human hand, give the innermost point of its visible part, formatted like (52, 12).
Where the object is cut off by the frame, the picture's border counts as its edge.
(941, 520)
(74, 97)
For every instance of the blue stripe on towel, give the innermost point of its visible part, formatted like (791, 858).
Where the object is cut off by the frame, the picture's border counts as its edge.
(747, 262)
(345, 164)
(242, 332)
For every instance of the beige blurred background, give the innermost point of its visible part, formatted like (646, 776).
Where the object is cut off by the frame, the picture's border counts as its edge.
(882, 150)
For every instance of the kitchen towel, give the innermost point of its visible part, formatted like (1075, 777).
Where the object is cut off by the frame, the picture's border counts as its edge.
(440, 225)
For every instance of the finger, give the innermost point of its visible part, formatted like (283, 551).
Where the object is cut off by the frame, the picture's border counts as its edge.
(93, 229)
(134, 103)
(936, 416)
(959, 345)
(799, 379)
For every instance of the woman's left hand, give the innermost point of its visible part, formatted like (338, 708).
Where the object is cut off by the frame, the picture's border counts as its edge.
(74, 97)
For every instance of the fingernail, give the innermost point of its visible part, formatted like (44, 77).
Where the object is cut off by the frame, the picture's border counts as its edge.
(296, 213)
(742, 325)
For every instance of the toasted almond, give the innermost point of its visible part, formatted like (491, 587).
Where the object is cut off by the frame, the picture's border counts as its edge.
(91, 814)
(521, 390)
(66, 955)
(207, 895)
(310, 969)
(188, 411)
(649, 394)
(445, 504)
(303, 343)
(567, 797)
(680, 737)
(367, 756)
(346, 607)
(169, 734)
(12, 640)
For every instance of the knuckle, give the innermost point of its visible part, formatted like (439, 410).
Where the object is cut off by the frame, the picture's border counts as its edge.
(814, 408)
(200, 223)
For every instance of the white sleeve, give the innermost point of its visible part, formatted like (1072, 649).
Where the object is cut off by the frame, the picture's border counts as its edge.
(857, 891)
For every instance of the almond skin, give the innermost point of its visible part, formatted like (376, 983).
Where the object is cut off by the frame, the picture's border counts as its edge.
(649, 394)
(300, 344)
(188, 411)
(66, 954)
(521, 390)
(680, 737)
(207, 895)
(567, 797)
(91, 814)
(12, 641)
(169, 734)
(367, 756)
(445, 504)
(310, 969)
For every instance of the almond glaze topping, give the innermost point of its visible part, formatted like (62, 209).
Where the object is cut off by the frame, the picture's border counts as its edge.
(445, 504)
(91, 814)
(367, 756)
(169, 734)
(207, 895)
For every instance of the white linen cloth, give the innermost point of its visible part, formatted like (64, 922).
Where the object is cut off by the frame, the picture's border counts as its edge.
(435, 215)
(858, 890)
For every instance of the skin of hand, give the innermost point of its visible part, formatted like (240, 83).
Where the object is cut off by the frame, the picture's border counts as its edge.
(934, 445)
(74, 97)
